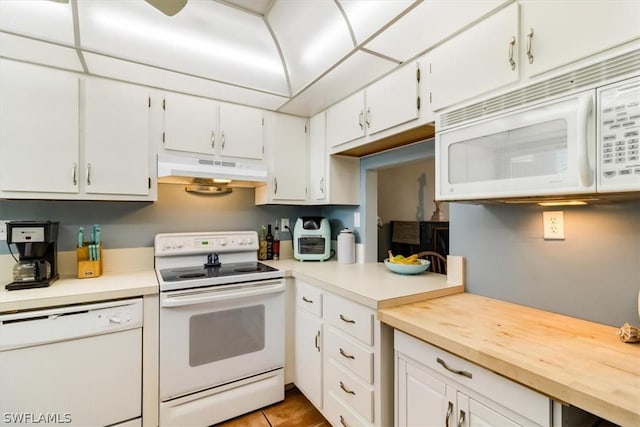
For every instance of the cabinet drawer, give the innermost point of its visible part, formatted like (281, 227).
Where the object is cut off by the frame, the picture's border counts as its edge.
(352, 318)
(340, 415)
(519, 399)
(351, 390)
(349, 354)
(309, 298)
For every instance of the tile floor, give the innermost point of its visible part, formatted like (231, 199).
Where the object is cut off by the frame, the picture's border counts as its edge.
(294, 411)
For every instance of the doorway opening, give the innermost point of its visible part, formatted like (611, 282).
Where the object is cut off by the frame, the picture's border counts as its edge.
(400, 211)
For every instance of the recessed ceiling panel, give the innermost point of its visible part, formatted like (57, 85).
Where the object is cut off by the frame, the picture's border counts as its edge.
(367, 17)
(206, 39)
(313, 36)
(353, 74)
(142, 74)
(42, 19)
(26, 49)
(427, 24)
(256, 6)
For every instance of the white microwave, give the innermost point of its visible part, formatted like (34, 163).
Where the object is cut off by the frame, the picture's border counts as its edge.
(582, 144)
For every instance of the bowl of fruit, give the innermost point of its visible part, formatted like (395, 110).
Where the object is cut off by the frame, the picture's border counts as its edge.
(406, 265)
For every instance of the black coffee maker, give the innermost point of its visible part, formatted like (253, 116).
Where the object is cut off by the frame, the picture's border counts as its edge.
(37, 263)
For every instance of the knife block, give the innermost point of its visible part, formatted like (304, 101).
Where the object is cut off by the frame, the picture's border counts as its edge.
(87, 268)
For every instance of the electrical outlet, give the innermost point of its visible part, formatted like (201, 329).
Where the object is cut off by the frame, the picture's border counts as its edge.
(3, 230)
(356, 219)
(284, 223)
(553, 225)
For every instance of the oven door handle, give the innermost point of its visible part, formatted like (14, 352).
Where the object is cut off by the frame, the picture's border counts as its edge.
(192, 298)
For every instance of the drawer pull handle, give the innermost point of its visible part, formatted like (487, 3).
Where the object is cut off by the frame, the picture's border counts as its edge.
(346, 390)
(343, 422)
(344, 319)
(449, 412)
(455, 371)
(461, 419)
(529, 53)
(307, 300)
(345, 355)
(512, 44)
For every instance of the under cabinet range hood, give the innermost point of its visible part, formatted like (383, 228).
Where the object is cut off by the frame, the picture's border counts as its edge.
(183, 169)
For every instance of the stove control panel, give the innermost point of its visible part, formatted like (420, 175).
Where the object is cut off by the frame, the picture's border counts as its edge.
(167, 244)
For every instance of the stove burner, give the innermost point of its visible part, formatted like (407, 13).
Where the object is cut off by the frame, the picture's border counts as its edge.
(246, 269)
(191, 275)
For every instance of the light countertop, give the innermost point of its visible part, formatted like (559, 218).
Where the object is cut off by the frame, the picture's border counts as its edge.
(571, 360)
(370, 284)
(70, 290)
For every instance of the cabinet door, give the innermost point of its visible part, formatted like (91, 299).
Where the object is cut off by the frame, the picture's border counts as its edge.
(191, 124)
(596, 25)
(317, 158)
(241, 131)
(479, 60)
(421, 397)
(472, 413)
(345, 120)
(116, 138)
(308, 356)
(39, 129)
(289, 158)
(384, 111)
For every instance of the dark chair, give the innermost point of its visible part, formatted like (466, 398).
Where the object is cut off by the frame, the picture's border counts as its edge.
(438, 262)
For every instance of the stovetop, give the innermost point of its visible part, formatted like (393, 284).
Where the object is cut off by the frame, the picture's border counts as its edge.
(190, 260)
(183, 274)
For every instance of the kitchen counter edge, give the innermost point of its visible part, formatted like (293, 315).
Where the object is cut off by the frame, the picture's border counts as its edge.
(69, 290)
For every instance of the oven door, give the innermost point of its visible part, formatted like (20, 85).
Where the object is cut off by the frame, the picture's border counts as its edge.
(212, 336)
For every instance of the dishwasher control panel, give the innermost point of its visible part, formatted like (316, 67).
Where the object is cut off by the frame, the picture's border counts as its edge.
(37, 327)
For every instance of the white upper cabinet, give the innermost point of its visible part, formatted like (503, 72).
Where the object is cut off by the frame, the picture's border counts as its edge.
(346, 121)
(241, 132)
(390, 102)
(317, 159)
(43, 153)
(190, 124)
(116, 138)
(479, 60)
(39, 132)
(286, 153)
(595, 26)
(385, 111)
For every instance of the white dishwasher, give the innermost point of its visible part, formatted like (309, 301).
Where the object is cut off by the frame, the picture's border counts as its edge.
(75, 365)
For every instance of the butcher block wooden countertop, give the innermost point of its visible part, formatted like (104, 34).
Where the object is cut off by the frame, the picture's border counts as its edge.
(571, 360)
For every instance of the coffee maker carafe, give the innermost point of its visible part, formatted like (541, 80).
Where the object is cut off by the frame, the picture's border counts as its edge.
(37, 244)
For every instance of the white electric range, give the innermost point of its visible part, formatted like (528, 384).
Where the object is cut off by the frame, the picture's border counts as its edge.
(221, 327)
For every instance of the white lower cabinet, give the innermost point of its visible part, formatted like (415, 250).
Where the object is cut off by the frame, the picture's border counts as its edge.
(308, 342)
(434, 387)
(356, 365)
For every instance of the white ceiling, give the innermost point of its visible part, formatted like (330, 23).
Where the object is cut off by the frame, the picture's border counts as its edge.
(295, 56)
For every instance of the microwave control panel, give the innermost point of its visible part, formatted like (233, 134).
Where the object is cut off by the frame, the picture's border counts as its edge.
(619, 137)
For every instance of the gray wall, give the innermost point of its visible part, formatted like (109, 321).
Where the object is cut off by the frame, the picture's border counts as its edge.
(134, 224)
(593, 274)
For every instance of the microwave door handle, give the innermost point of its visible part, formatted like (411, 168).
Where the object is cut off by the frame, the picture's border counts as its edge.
(585, 108)
(221, 295)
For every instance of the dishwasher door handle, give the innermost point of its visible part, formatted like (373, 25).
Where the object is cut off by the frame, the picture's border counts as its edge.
(201, 297)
